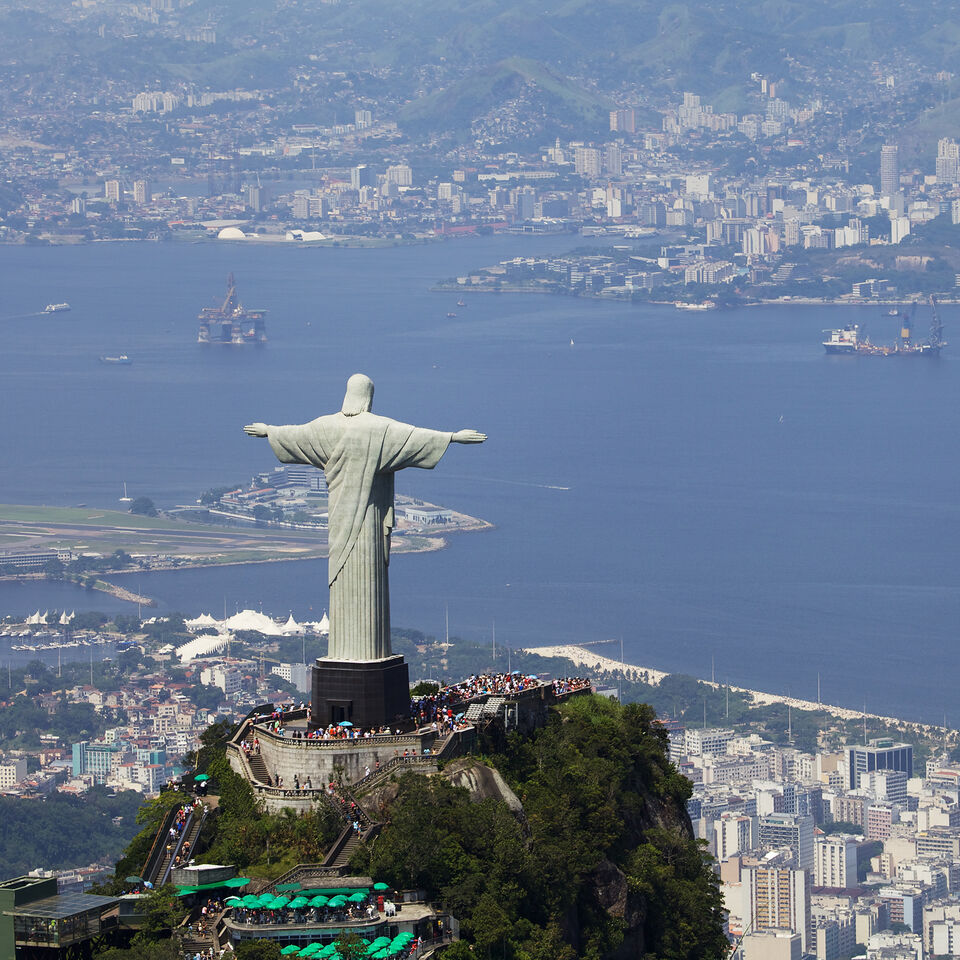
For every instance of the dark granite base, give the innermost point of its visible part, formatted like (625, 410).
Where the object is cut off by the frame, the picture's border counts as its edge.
(368, 694)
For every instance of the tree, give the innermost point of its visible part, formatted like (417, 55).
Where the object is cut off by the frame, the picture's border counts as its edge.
(257, 950)
(162, 913)
(141, 949)
(143, 506)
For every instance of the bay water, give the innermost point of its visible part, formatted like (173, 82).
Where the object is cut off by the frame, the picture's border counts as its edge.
(711, 487)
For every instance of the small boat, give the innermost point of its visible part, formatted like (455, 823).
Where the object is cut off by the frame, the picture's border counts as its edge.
(125, 498)
(120, 358)
(451, 316)
(56, 308)
(461, 303)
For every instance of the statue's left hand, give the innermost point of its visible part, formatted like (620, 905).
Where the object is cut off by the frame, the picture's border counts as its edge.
(469, 436)
(255, 429)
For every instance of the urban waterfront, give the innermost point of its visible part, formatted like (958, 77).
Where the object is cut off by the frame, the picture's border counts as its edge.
(710, 487)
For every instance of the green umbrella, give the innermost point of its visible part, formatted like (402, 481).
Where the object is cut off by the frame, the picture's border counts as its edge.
(329, 949)
(133, 879)
(310, 949)
(319, 901)
(200, 777)
(290, 948)
(358, 898)
(236, 882)
(251, 901)
(381, 886)
(233, 901)
(297, 902)
(264, 899)
(381, 954)
(338, 901)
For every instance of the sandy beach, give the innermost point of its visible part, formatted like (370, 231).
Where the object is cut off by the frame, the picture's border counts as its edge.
(584, 657)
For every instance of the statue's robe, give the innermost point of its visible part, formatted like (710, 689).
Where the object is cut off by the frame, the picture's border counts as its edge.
(359, 455)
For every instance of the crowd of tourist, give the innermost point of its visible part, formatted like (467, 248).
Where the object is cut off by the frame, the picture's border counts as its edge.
(444, 710)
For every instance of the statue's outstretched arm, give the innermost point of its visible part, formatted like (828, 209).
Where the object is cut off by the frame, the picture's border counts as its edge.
(255, 429)
(464, 436)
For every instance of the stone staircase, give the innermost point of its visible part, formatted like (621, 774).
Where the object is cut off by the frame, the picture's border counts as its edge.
(258, 768)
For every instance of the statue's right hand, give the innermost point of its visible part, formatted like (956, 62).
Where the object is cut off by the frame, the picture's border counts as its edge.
(255, 429)
(469, 436)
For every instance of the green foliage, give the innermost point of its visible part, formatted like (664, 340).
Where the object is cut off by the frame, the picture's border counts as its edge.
(257, 950)
(684, 906)
(63, 831)
(601, 800)
(143, 506)
(425, 689)
(162, 912)
(142, 949)
(23, 721)
(843, 826)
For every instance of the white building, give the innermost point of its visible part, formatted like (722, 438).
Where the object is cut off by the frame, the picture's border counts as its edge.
(221, 675)
(734, 833)
(713, 740)
(12, 772)
(835, 861)
(299, 674)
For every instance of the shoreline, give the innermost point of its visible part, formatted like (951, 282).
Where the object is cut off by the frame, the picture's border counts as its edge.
(427, 544)
(778, 302)
(583, 657)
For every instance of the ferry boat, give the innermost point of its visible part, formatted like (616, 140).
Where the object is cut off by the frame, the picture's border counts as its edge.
(705, 305)
(56, 308)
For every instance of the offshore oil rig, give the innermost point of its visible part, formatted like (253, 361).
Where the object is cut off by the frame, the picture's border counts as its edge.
(852, 338)
(231, 322)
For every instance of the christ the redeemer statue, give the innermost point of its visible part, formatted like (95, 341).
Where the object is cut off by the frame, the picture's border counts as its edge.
(359, 452)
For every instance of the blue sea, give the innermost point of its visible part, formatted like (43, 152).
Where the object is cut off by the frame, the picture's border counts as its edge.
(710, 487)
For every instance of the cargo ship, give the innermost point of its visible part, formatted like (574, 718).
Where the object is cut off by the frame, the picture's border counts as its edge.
(231, 322)
(56, 308)
(852, 339)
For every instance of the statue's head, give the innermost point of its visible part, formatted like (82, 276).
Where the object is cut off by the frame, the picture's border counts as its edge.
(359, 395)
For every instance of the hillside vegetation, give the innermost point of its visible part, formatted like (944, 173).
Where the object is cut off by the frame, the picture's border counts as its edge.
(601, 864)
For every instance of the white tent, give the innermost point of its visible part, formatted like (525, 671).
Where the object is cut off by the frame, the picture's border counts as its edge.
(204, 620)
(322, 626)
(251, 620)
(34, 618)
(291, 626)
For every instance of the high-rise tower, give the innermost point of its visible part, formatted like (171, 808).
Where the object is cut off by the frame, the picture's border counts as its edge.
(889, 169)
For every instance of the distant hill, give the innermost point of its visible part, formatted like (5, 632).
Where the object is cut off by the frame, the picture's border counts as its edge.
(515, 80)
(455, 61)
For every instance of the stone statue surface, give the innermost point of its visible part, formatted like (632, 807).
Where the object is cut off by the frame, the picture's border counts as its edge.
(359, 453)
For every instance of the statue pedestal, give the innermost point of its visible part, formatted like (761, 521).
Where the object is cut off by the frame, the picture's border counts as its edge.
(368, 693)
